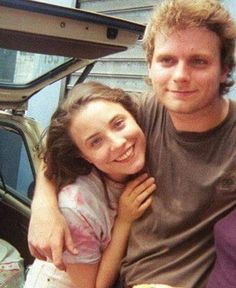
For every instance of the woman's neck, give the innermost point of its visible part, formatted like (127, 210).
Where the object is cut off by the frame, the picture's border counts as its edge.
(119, 179)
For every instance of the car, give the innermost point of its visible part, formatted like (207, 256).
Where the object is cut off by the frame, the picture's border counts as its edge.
(39, 44)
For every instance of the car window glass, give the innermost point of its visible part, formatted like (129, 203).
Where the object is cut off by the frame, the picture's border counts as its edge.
(18, 67)
(15, 169)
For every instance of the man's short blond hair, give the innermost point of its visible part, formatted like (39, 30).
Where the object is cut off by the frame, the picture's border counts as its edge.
(172, 15)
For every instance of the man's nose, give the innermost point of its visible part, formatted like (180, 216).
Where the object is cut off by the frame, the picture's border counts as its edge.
(181, 72)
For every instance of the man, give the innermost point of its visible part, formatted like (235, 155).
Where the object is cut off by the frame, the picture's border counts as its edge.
(191, 132)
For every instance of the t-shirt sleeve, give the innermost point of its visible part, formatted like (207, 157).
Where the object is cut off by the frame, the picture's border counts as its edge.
(148, 112)
(84, 234)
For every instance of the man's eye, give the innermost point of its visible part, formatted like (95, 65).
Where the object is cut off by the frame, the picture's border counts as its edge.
(166, 61)
(198, 61)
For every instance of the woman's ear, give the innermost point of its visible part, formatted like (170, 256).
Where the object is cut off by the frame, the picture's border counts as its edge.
(80, 155)
(85, 165)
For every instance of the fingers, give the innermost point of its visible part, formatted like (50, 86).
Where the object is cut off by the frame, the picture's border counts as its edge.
(57, 253)
(144, 190)
(70, 245)
(52, 251)
(39, 250)
(134, 183)
(136, 198)
(47, 240)
(144, 205)
(48, 247)
(138, 185)
(141, 195)
(143, 200)
(138, 190)
(35, 253)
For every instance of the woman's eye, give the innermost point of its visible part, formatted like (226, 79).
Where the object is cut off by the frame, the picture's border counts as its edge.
(96, 142)
(119, 123)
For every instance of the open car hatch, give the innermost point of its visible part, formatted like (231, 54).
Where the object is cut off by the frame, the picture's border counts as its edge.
(61, 41)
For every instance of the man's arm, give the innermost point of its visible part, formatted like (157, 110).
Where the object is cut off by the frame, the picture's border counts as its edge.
(48, 232)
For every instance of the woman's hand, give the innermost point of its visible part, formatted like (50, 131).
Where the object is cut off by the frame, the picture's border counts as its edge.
(136, 198)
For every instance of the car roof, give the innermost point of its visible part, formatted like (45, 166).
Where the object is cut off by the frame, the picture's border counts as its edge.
(71, 38)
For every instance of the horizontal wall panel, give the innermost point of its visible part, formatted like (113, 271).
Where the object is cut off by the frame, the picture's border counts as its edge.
(106, 6)
(127, 69)
(135, 83)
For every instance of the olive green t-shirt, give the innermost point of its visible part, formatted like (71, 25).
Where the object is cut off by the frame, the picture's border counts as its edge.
(172, 243)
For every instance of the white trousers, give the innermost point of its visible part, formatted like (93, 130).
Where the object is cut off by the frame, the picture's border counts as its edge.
(44, 274)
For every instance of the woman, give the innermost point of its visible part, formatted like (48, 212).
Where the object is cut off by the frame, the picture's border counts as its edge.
(94, 134)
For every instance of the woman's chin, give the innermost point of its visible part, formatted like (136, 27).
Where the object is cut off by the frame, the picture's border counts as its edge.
(138, 167)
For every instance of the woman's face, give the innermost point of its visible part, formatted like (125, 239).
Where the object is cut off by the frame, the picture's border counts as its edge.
(109, 138)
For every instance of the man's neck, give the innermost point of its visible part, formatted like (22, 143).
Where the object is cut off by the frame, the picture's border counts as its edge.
(203, 120)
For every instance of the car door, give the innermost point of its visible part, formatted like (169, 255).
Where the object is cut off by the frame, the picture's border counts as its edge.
(19, 139)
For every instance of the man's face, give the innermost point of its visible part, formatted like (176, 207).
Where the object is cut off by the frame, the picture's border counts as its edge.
(186, 70)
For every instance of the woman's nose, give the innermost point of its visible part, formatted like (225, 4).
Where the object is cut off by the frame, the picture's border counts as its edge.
(117, 142)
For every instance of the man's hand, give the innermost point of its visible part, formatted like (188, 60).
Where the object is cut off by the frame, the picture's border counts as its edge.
(48, 232)
(49, 235)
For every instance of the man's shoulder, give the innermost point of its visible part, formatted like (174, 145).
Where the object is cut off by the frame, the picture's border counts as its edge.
(232, 109)
(148, 104)
(142, 97)
(233, 103)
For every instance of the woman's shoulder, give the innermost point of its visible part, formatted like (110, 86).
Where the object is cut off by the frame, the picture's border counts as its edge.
(86, 190)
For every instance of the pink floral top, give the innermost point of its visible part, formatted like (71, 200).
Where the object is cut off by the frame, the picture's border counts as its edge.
(84, 205)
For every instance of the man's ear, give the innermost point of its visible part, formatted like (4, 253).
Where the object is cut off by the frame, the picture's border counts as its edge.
(224, 73)
(148, 78)
(149, 70)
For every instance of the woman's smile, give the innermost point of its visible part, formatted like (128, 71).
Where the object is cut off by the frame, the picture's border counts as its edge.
(125, 157)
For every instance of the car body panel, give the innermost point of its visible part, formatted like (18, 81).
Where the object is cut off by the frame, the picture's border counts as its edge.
(15, 199)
